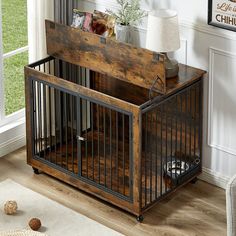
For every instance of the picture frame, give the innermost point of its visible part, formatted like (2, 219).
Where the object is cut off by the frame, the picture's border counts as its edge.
(222, 14)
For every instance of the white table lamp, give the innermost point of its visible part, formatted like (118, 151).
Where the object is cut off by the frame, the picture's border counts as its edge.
(163, 36)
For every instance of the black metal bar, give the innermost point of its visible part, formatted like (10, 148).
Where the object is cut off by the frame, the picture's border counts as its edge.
(66, 127)
(56, 123)
(79, 131)
(185, 142)
(44, 120)
(190, 133)
(156, 141)
(195, 111)
(60, 124)
(92, 117)
(34, 123)
(38, 63)
(110, 148)
(181, 129)
(72, 131)
(131, 157)
(86, 136)
(151, 142)
(145, 159)
(117, 151)
(50, 123)
(123, 131)
(161, 177)
(104, 145)
(98, 118)
(171, 134)
(39, 118)
(176, 133)
(166, 128)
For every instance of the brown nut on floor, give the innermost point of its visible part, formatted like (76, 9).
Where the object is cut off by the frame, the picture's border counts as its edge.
(35, 224)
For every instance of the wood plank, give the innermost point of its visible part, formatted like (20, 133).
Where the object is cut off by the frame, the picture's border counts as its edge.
(78, 89)
(107, 56)
(28, 107)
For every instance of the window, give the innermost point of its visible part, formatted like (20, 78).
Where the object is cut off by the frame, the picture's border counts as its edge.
(14, 55)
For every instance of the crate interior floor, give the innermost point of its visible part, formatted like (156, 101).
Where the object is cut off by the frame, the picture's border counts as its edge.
(111, 172)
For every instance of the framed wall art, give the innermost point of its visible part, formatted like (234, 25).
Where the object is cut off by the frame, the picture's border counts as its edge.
(222, 13)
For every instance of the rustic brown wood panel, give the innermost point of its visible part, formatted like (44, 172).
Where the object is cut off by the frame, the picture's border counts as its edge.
(28, 108)
(107, 56)
(187, 76)
(72, 87)
(84, 186)
(119, 89)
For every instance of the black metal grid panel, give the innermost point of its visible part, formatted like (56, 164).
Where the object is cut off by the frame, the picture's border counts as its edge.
(105, 135)
(78, 135)
(171, 143)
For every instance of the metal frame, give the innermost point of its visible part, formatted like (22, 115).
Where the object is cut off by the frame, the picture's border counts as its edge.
(41, 65)
(182, 118)
(137, 199)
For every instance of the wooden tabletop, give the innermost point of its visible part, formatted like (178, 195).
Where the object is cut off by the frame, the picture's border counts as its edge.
(187, 75)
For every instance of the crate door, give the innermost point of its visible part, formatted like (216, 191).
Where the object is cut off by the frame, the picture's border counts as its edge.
(54, 126)
(105, 141)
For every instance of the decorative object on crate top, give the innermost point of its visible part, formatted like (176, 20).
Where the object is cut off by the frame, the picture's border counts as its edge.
(82, 20)
(99, 22)
(10, 207)
(128, 14)
(163, 36)
(103, 24)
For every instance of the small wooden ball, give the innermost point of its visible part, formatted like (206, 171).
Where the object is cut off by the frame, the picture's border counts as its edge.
(35, 224)
(10, 207)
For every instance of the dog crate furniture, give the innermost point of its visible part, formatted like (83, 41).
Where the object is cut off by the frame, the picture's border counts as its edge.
(102, 117)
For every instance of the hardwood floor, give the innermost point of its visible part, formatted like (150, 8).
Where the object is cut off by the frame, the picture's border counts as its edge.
(196, 209)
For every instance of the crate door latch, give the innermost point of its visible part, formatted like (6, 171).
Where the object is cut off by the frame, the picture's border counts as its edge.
(80, 138)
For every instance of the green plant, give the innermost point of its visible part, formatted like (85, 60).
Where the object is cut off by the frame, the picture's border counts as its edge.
(128, 13)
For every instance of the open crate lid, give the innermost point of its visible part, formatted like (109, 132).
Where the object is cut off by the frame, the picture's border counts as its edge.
(123, 61)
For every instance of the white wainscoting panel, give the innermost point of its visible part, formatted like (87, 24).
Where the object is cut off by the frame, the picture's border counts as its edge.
(222, 101)
(214, 178)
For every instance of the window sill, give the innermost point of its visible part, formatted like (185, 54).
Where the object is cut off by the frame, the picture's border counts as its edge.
(12, 136)
(12, 125)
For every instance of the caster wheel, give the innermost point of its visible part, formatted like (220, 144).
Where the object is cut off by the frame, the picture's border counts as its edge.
(140, 218)
(193, 181)
(36, 171)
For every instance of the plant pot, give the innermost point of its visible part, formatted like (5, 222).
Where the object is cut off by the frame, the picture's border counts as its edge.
(123, 33)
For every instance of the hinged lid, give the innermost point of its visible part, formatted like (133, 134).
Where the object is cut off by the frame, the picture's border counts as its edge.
(107, 56)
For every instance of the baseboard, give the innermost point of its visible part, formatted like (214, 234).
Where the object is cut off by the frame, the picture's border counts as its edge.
(214, 178)
(12, 145)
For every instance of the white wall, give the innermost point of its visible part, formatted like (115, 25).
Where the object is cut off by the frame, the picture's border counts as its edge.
(213, 50)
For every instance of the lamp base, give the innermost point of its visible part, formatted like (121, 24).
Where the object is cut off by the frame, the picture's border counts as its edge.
(171, 68)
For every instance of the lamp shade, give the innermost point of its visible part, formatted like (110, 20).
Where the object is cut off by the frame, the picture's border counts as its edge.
(163, 31)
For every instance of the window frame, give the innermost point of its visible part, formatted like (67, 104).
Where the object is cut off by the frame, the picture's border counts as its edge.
(6, 119)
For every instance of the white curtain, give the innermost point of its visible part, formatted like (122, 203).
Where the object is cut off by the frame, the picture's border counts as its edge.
(38, 11)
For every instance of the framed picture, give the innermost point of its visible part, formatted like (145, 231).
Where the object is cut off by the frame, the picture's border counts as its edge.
(222, 13)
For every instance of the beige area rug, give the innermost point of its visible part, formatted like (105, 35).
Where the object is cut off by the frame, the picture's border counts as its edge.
(56, 219)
